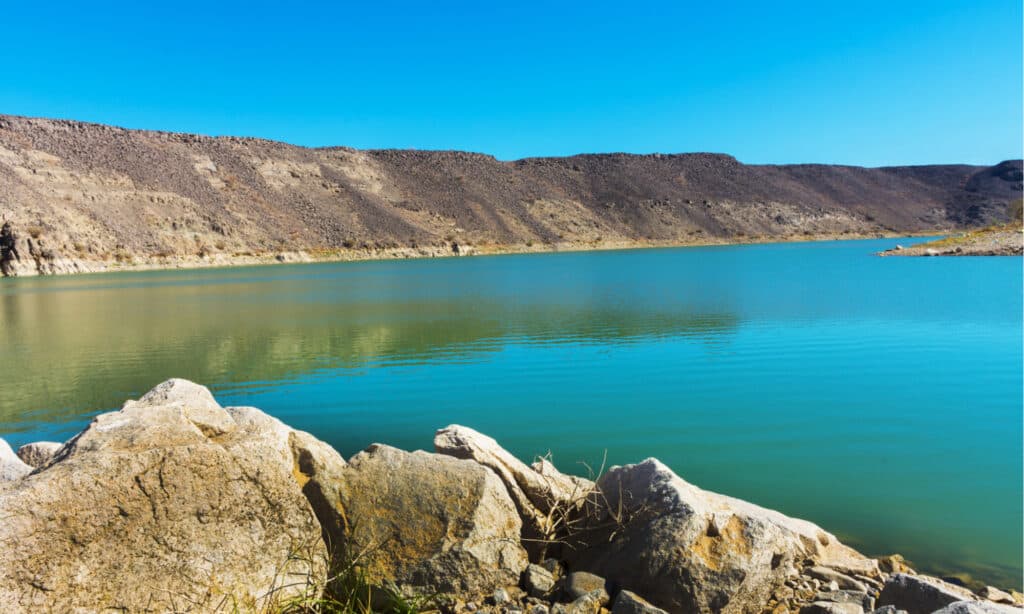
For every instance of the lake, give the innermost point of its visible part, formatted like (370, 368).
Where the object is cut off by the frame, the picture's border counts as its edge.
(878, 397)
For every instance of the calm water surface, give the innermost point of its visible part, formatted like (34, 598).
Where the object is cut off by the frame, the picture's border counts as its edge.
(879, 397)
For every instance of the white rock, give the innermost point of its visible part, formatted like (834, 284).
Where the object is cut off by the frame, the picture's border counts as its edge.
(11, 467)
(165, 502)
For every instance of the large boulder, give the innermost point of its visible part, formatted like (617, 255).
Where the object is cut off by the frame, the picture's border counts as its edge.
(919, 594)
(171, 503)
(547, 500)
(688, 550)
(11, 467)
(429, 524)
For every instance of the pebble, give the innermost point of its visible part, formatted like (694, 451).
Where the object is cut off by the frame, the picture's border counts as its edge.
(538, 581)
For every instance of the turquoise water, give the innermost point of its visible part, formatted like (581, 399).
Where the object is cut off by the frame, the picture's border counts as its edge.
(879, 397)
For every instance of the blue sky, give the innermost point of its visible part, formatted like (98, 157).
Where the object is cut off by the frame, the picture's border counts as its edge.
(867, 82)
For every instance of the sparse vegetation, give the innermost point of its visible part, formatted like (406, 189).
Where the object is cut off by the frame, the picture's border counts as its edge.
(584, 516)
(622, 195)
(347, 590)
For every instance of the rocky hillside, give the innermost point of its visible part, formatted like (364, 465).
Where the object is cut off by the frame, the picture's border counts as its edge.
(174, 503)
(82, 197)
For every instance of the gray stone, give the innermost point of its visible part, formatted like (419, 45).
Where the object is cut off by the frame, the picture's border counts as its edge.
(165, 502)
(978, 607)
(736, 553)
(554, 566)
(868, 581)
(578, 584)
(920, 594)
(589, 603)
(994, 594)
(38, 453)
(830, 575)
(628, 602)
(11, 467)
(888, 609)
(831, 607)
(537, 581)
(866, 601)
(539, 608)
(501, 596)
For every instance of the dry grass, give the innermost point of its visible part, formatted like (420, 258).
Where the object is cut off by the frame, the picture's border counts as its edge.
(969, 237)
(585, 516)
(346, 590)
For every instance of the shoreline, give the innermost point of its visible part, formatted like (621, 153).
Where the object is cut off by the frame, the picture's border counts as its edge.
(1004, 240)
(65, 267)
(176, 479)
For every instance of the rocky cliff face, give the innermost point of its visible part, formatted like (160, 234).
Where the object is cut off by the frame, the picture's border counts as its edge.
(84, 197)
(174, 503)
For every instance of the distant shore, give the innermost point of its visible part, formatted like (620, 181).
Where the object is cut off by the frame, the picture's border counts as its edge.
(1005, 240)
(74, 266)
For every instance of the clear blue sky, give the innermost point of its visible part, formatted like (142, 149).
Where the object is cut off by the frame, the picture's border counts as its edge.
(868, 82)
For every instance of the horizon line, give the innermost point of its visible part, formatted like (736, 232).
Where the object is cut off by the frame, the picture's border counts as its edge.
(653, 154)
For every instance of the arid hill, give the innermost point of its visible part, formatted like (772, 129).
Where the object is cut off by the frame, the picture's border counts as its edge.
(83, 197)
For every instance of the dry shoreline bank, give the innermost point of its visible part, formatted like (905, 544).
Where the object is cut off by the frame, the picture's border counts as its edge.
(82, 197)
(215, 261)
(1007, 240)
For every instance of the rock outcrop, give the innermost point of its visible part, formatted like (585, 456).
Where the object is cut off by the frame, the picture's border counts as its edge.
(427, 523)
(546, 499)
(688, 550)
(1005, 240)
(171, 503)
(174, 503)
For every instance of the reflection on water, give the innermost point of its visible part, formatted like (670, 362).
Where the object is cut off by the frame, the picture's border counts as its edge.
(113, 339)
(866, 394)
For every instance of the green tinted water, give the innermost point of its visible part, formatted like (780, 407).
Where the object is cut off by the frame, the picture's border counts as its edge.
(879, 397)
